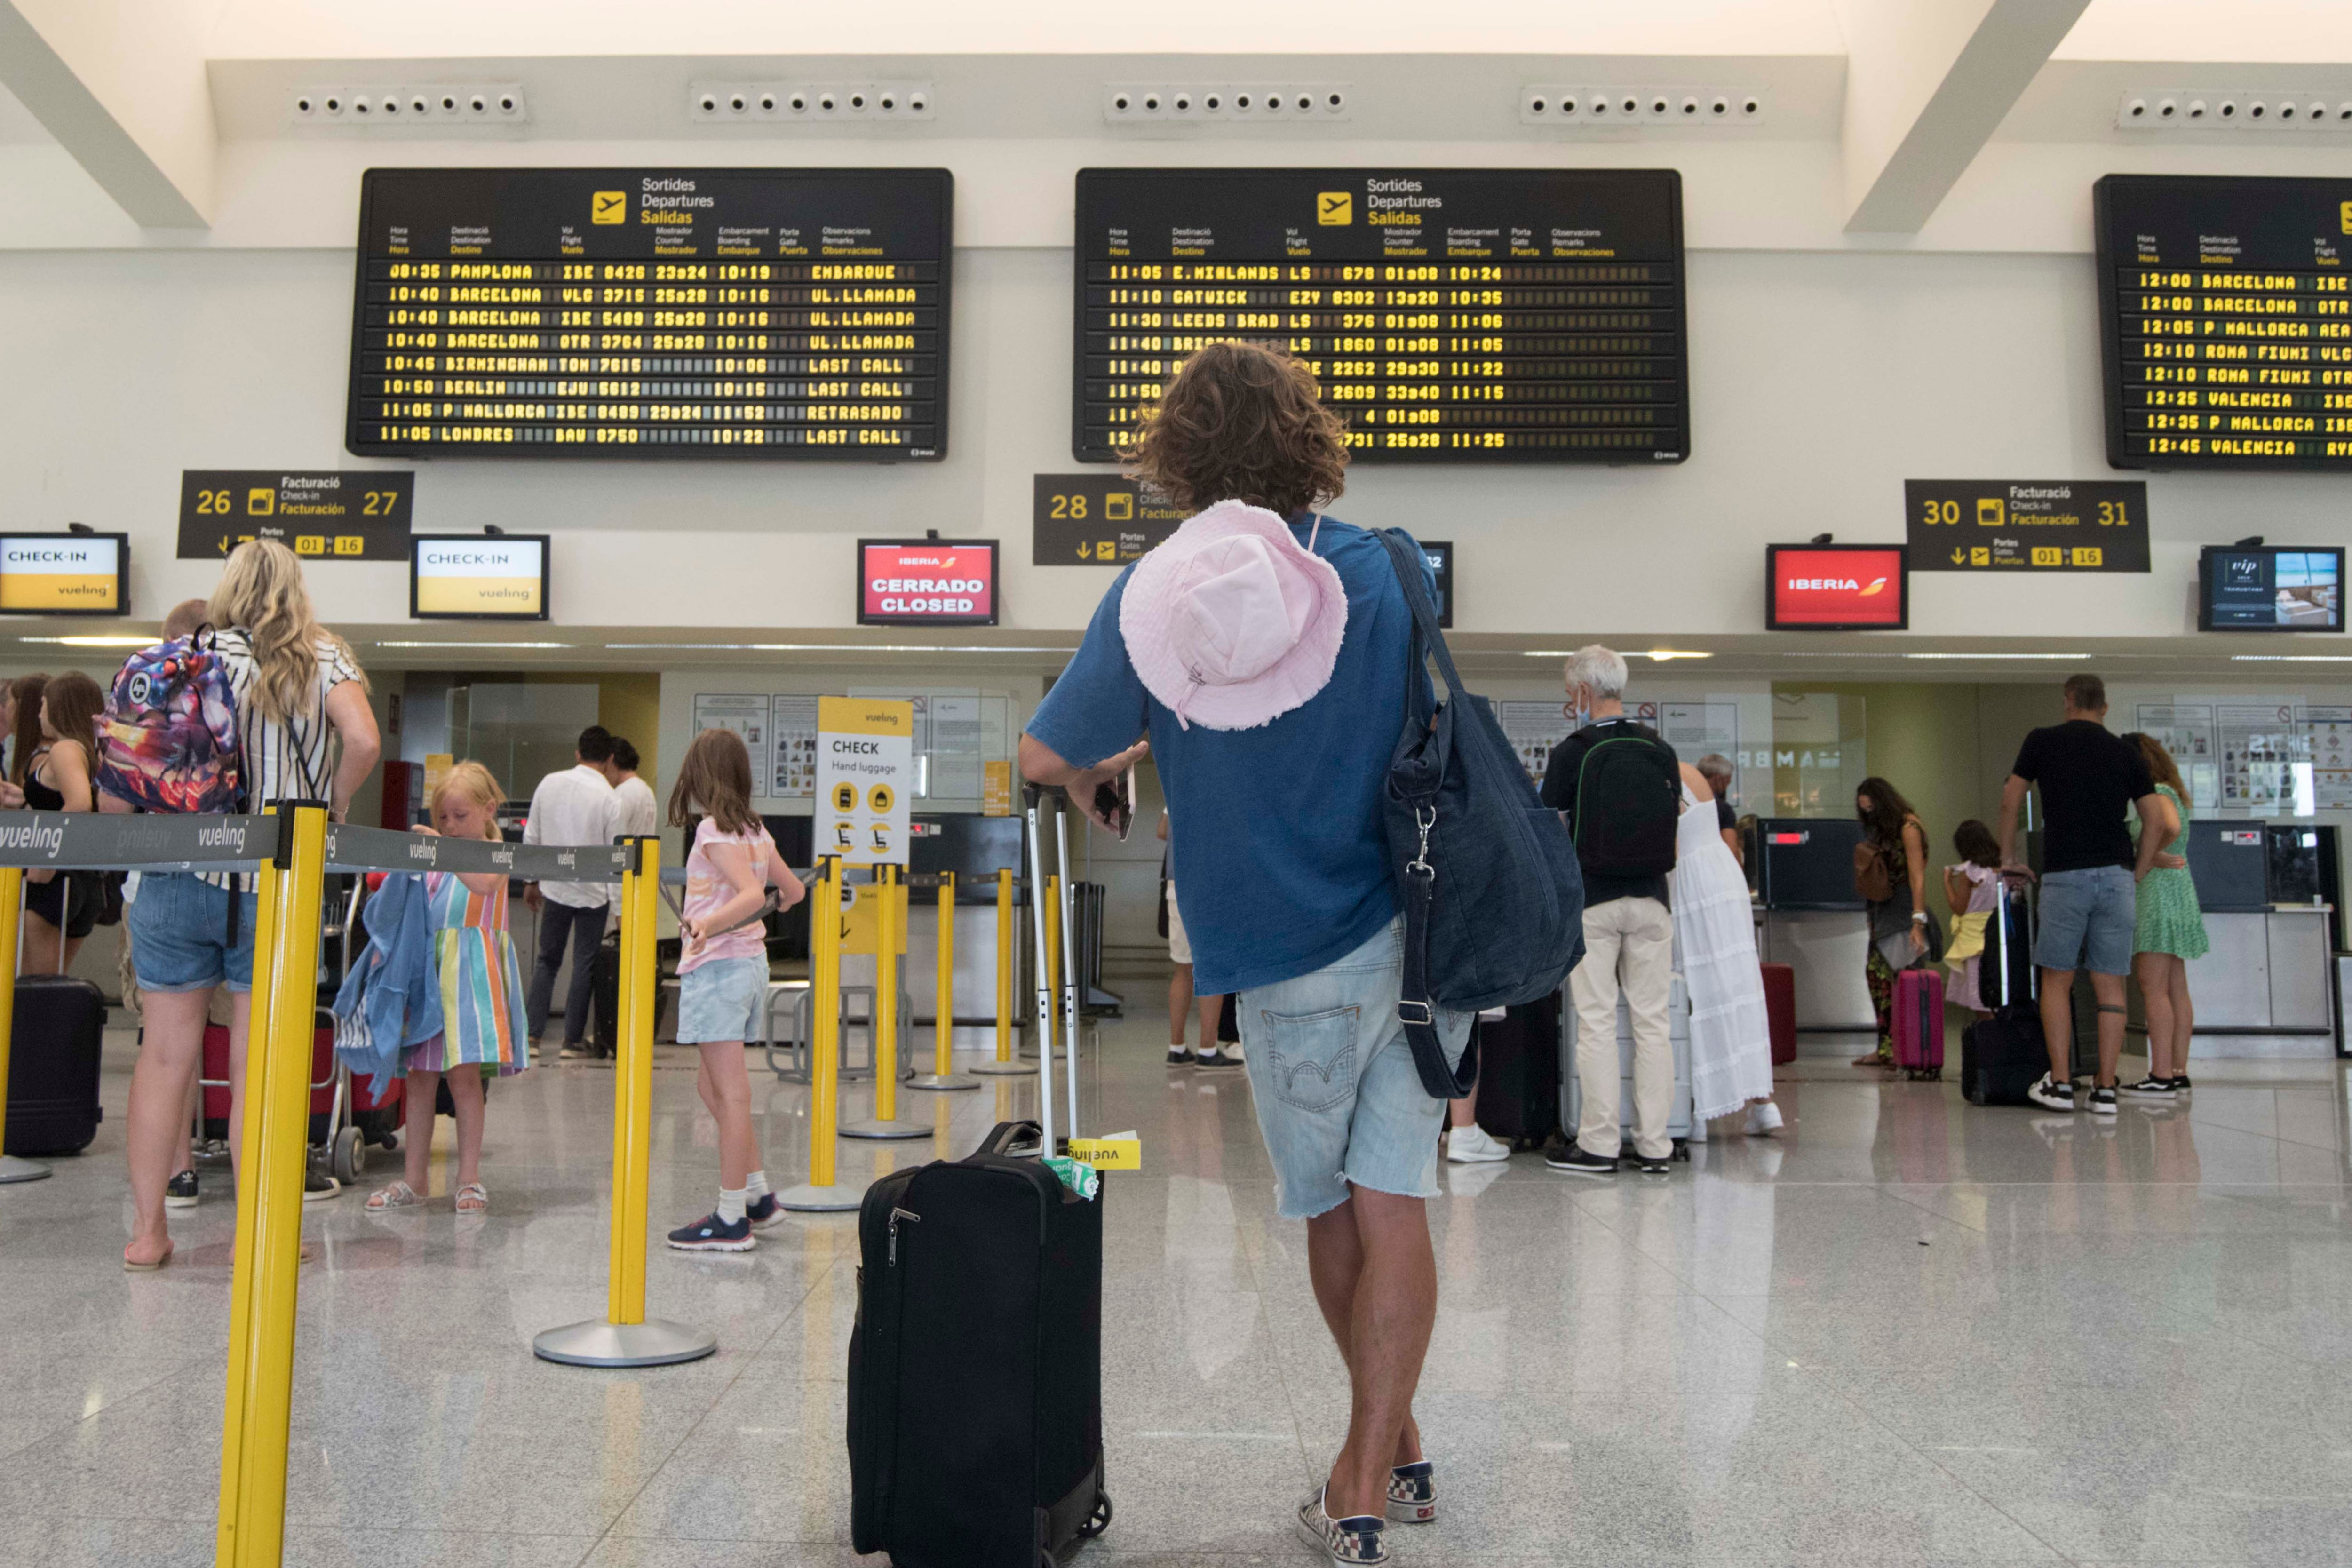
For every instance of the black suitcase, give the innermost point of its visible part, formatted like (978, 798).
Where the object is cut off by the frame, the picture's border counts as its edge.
(605, 997)
(960, 1460)
(53, 1065)
(2001, 1057)
(1518, 1073)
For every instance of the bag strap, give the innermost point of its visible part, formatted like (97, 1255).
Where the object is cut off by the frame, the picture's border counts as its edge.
(1428, 640)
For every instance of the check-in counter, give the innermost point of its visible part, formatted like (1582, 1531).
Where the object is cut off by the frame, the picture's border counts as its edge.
(1812, 921)
(2266, 984)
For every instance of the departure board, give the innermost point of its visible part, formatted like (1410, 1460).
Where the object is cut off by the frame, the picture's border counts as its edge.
(1450, 315)
(2226, 312)
(795, 313)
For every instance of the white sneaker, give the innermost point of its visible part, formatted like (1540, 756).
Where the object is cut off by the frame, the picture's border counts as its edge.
(1763, 1119)
(1471, 1146)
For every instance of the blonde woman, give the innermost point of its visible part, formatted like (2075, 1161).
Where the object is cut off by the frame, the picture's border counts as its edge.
(483, 1033)
(300, 695)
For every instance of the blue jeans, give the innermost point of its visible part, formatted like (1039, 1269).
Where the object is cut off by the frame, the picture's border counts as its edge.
(2087, 918)
(179, 934)
(1338, 1097)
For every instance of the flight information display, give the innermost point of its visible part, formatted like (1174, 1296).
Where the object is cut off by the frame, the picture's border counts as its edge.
(2226, 315)
(1450, 315)
(798, 314)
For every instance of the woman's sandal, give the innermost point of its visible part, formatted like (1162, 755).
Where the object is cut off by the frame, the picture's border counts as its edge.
(398, 1196)
(473, 1198)
(161, 1258)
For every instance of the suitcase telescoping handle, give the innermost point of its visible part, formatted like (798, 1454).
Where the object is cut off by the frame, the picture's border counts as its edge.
(1032, 810)
(1006, 1136)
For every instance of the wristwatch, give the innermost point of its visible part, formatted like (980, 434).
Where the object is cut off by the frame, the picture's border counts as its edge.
(1919, 917)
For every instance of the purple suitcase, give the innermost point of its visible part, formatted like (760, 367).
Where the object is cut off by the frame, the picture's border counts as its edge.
(1919, 1018)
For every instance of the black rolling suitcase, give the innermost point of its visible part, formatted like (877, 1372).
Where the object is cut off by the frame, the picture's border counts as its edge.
(605, 997)
(975, 1367)
(2001, 1057)
(1518, 1073)
(60, 1022)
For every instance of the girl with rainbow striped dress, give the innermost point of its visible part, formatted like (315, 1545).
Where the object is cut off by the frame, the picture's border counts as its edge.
(483, 1031)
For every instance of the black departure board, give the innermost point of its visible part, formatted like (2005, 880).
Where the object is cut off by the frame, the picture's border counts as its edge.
(797, 313)
(2226, 314)
(1450, 315)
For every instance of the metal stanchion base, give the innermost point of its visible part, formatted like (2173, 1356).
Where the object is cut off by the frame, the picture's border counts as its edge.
(600, 1343)
(839, 1198)
(949, 1080)
(994, 1069)
(13, 1168)
(872, 1129)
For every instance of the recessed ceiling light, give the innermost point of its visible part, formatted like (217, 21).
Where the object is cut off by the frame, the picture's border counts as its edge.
(2291, 658)
(824, 648)
(1664, 654)
(476, 644)
(118, 640)
(2077, 657)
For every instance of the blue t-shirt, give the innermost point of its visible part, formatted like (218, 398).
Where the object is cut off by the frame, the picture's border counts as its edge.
(1277, 851)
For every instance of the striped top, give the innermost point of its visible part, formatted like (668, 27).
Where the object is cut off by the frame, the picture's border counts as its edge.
(287, 760)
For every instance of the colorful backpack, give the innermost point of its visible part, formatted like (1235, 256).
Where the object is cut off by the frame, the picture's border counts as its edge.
(168, 740)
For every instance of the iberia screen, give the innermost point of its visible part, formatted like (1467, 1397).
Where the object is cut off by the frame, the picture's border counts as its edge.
(1837, 588)
(938, 582)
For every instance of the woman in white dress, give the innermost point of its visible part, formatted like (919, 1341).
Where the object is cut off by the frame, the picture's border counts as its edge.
(1730, 1034)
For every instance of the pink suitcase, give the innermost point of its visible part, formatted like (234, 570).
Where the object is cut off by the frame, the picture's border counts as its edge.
(1918, 1018)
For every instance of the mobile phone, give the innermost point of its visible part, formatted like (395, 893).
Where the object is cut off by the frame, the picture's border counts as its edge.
(1115, 802)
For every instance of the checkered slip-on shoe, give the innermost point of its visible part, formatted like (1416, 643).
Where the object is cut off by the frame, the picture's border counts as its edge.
(1349, 1541)
(1412, 1493)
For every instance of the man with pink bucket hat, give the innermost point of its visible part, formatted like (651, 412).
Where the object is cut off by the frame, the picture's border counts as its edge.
(1263, 649)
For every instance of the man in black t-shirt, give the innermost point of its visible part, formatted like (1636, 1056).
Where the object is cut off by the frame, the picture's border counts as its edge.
(2090, 874)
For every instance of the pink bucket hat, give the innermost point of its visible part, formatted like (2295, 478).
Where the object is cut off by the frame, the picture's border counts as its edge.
(1231, 622)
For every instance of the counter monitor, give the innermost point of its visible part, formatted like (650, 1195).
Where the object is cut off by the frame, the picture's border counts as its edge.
(1837, 588)
(477, 577)
(2270, 588)
(2226, 322)
(796, 313)
(64, 574)
(926, 582)
(1450, 315)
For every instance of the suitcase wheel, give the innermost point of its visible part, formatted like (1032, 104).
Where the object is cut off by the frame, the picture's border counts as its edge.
(347, 1156)
(1099, 1521)
(1681, 1149)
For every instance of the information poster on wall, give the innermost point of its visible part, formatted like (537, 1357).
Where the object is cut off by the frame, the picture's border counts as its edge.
(865, 778)
(746, 713)
(2260, 744)
(2186, 730)
(1533, 729)
(2331, 757)
(1696, 728)
(792, 722)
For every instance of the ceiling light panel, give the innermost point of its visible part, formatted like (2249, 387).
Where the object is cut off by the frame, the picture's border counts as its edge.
(807, 102)
(433, 103)
(1591, 106)
(1227, 103)
(2229, 109)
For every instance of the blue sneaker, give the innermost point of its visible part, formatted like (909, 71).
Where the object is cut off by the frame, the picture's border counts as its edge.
(711, 1234)
(764, 1213)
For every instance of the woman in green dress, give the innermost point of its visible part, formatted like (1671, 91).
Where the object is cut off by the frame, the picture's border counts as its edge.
(2169, 932)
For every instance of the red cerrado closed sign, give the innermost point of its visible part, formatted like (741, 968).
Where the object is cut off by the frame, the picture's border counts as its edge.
(926, 582)
(1837, 587)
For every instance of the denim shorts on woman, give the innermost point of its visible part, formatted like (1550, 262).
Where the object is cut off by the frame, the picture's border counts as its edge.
(1338, 1099)
(179, 934)
(722, 1000)
(2086, 920)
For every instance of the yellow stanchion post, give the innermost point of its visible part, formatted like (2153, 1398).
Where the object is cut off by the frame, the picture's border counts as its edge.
(258, 1412)
(624, 1336)
(12, 901)
(943, 1075)
(892, 925)
(821, 1193)
(1007, 948)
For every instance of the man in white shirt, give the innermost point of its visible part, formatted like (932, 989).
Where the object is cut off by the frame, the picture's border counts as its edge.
(635, 815)
(574, 807)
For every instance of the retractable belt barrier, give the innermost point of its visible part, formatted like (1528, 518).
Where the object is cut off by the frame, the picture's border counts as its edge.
(291, 845)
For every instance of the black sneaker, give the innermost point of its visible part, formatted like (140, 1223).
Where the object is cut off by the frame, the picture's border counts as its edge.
(764, 1212)
(180, 1192)
(2103, 1101)
(2050, 1095)
(1218, 1059)
(318, 1186)
(1651, 1166)
(1180, 1055)
(1569, 1155)
(2151, 1089)
(2180, 1083)
(711, 1234)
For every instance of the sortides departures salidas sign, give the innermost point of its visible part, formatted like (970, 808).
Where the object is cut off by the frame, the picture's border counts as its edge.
(64, 574)
(473, 577)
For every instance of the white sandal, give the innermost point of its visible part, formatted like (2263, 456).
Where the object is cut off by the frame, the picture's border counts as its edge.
(473, 1198)
(398, 1196)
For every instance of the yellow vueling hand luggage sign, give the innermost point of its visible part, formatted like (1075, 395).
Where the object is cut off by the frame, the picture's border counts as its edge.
(865, 774)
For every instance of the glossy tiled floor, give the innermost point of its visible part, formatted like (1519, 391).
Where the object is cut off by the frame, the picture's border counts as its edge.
(1906, 1332)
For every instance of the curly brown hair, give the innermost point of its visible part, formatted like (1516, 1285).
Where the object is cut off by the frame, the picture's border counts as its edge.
(1242, 422)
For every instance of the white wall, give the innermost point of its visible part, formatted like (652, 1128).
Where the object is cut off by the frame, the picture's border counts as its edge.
(1822, 381)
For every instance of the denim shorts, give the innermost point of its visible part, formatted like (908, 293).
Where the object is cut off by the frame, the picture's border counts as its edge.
(2087, 921)
(179, 934)
(725, 999)
(1338, 1097)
